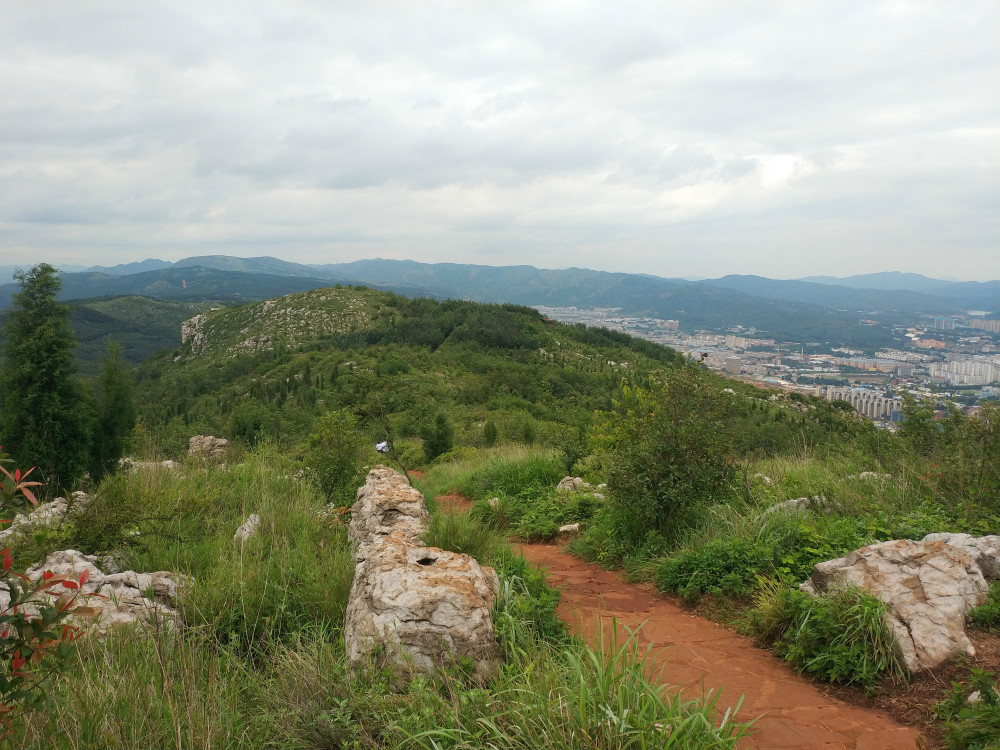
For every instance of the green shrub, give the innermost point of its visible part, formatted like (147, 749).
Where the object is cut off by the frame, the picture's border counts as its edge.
(841, 637)
(722, 567)
(987, 615)
(972, 726)
(334, 451)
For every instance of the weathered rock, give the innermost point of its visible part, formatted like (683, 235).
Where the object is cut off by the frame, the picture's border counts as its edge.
(122, 597)
(131, 465)
(45, 515)
(573, 484)
(494, 503)
(984, 550)
(193, 330)
(928, 587)
(207, 446)
(248, 529)
(413, 607)
(569, 529)
(763, 478)
(797, 504)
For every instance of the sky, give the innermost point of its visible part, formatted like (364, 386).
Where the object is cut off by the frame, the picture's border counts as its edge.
(681, 139)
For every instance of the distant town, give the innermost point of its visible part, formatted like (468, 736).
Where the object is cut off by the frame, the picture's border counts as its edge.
(953, 360)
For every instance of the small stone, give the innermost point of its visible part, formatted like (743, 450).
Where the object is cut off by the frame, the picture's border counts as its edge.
(248, 529)
(569, 529)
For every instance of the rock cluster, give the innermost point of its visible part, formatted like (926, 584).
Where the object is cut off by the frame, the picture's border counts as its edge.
(121, 597)
(207, 446)
(412, 607)
(573, 484)
(929, 588)
(816, 502)
(45, 515)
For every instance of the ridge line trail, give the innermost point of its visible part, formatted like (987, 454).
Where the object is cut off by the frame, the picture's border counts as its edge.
(692, 651)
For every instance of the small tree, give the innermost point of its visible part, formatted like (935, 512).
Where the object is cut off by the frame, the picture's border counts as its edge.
(490, 434)
(116, 412)
(438, 439)
(44, 411)
(334, 451)
(669, 450)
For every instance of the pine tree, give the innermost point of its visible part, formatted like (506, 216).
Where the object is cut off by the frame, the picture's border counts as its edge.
(45, 412)
(116, 411)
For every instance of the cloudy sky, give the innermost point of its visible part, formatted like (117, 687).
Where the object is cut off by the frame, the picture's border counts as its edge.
(678, 139)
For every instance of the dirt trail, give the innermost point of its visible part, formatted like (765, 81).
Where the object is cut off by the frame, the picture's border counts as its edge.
(693, 652)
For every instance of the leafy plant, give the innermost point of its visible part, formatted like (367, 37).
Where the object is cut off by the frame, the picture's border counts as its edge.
(841, 637)
(973, 725)
(987, 615)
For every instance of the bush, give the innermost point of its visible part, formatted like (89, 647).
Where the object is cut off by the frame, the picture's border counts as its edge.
(334, 452)
(723, 567)
(987, 616)
(840, 637)
(669, 450)
(972, 726)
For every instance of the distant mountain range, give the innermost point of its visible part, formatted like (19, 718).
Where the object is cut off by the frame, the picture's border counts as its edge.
(788, 310)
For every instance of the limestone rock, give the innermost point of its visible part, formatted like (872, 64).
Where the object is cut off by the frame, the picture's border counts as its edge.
(573, 484)
(802, 504)
(569, 529)
(193, 330)
(928, 586)
(123, 597)
(984, 550)
(207, 446)
(131, 465)
(45, 515)
(248, 529)
(413, 607)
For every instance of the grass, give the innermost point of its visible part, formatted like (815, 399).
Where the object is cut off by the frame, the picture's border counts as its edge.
(262, 663)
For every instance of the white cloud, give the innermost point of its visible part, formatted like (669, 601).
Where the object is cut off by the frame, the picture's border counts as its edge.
(679, 139)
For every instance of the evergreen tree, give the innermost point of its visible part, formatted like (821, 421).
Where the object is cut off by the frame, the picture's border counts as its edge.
(45, 413)
(438, 439)
(116, 411)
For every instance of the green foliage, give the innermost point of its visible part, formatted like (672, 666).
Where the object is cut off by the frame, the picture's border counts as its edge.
(668, 450)
(116, 412)
(841, 637)
(438, 439)
(976, 725)
(987, 615)
(724, 567)
(490, 433)
(334, 452)
(460, 532)
(45, 414)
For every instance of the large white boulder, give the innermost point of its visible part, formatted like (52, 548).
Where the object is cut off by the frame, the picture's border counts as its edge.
(929, 588)
(985, 550)
(412, 607)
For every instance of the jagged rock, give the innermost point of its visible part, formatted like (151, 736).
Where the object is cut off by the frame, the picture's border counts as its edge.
(46, 515)
(248, 529)
(494, 503)
(928, 586)
(569, 529)
(131, 465)
(873, 476)
(984, 550)
(122, 596)
(207, 446)
(816, 502)
(413, 607)
(191, 330)
(573, 484)
(763, 478)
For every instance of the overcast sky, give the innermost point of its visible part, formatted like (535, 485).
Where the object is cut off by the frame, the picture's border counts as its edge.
(679, 139)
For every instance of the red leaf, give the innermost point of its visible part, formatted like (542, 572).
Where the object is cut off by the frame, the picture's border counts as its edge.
(17, 475)
(70, 584)
(47, 575)
(7, 561)
(84, 576)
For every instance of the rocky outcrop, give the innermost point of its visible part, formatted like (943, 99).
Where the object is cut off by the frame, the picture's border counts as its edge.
(207, 446)
(131, 465)
(193, 330)
(929, 588)
(573, 484)
(120, 597)
(984, 550)
(45, 515)
(413, 607)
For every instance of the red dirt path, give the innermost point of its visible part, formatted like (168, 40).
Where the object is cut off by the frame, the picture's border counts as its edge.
(692, 652)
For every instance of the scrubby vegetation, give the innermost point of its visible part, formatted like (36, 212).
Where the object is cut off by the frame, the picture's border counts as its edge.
(496, 404)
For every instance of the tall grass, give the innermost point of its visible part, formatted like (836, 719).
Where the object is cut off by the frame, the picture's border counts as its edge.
(505, 470)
